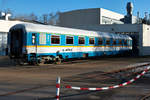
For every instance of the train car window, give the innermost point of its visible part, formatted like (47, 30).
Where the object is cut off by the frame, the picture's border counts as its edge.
(125, 42)
(91, 40)
(55, 39)
(81, 40)
(69, 39)
(33, 38)
(114, 42)
(100, 41)
(42, 38)
(107, 41)
(120, 42)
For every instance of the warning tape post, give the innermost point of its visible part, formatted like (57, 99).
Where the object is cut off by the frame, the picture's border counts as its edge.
(58, 88)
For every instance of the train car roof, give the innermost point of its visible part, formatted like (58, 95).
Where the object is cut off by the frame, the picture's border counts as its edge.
(29, 27)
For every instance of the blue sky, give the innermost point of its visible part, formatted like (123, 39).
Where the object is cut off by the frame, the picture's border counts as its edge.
(40, 7)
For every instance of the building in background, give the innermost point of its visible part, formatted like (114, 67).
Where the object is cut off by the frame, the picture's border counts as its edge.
(140, 34)
(99, 19)
(96, 19)
(4, 29)
(94, 16)
(129, 18)
(5, 25)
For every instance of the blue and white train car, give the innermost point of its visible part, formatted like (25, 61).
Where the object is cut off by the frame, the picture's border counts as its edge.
(34, 43)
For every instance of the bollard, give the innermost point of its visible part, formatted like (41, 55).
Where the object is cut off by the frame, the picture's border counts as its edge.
(58, 88)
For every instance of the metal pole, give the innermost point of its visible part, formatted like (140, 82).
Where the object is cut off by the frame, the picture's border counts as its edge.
(58, 88)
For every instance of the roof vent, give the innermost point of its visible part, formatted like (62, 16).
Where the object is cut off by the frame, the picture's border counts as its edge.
(129, 8)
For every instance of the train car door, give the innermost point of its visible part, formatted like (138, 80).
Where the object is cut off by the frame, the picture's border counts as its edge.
(16, 43)
(34, 43)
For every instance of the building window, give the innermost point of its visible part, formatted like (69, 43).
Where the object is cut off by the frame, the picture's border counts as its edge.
(69, 39)
(81, 40)
(107, 41)
(42, 39)
(55, 39)
(100, 41)
(91, 40)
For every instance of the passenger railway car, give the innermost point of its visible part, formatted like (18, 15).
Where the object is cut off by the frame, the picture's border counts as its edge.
(34, 43)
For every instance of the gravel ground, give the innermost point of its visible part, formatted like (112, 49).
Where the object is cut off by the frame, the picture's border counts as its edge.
(77, 72)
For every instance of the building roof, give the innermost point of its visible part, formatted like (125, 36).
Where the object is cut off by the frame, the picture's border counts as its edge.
(6, 25)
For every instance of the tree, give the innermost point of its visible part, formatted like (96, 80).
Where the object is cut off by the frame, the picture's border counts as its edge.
(54, 18)
(27, 17)
(33, 17)
(51, 19)
(45, 18)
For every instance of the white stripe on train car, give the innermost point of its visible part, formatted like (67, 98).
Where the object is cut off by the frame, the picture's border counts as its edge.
(72, 49)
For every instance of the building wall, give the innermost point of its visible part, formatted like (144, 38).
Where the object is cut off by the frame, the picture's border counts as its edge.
(139, 32)
(3, 43)
(145, 37)
(126, 28)
(6, 25)
(94, 16)
(110, 17)
(80, 17)
(4, 29)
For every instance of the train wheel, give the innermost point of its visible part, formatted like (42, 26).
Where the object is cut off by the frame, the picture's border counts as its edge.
(36, 63)
(20, 62)
(14, 62)
(33, 63)
(58, 60)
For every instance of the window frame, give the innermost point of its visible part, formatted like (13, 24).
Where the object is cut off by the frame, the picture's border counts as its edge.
(79, 40)
(72, 41)
(126, 42)
(120, 42)
(41, 36)
(107, 40)
(92, 40)
(114, 43)
(102, 41)
(59, 39)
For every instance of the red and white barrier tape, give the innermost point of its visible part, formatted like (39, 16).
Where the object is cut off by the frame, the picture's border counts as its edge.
(110, 87)
(58, 88)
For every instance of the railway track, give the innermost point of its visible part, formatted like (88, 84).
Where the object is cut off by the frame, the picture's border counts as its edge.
(125, 72)
(26, 90)
(146, 97)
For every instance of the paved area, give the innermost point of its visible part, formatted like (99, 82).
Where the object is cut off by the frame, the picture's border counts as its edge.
(16, 78)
